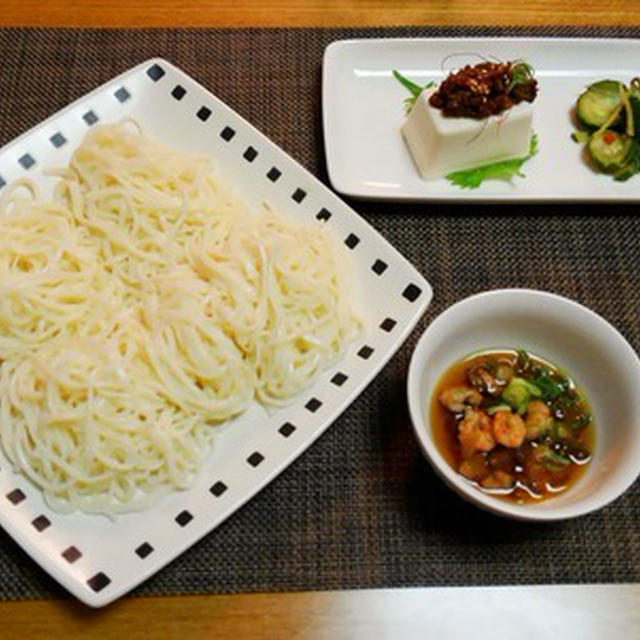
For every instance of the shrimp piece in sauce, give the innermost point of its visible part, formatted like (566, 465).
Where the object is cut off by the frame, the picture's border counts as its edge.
(456, 399)
(498, 480)
(538, 420)
(508, 429)
(474, 432)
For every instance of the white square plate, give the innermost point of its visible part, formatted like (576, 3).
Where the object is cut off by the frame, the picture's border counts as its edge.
(363, 110)
(98, 559)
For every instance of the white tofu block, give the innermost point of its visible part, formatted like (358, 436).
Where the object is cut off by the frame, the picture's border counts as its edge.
(441, 144)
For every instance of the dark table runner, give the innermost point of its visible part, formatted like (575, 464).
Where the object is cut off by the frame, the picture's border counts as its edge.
(362, 508)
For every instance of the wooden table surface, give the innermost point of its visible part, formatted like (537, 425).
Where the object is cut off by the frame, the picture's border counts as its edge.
(404, 613)
(315, 13)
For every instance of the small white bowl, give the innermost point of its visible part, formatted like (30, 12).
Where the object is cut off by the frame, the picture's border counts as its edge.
(567, 334)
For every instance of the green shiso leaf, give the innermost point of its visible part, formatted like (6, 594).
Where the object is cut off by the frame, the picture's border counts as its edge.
(505, 170)
(414, 89)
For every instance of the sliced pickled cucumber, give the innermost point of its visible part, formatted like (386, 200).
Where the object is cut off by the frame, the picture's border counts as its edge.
(632, 164)
(598, 102)
(609, 150)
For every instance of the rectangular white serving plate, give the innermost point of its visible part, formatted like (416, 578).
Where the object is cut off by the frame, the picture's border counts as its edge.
(363, 109)
(98, 559)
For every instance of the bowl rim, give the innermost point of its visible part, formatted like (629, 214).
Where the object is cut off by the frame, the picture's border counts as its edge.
(422, 429)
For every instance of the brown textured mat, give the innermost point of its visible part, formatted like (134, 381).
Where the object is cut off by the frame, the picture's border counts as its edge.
(362, 508)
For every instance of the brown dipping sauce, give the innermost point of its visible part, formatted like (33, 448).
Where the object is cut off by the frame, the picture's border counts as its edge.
(498, 439)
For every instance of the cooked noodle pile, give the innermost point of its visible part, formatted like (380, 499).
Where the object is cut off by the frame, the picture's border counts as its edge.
(141, 306)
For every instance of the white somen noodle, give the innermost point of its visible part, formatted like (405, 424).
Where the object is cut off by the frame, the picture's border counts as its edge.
(142, 305)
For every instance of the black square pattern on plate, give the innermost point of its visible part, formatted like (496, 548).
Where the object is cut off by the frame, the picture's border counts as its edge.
(313, 405)
(287, 429)
(90, 117)
(339, 378)
(227, 133)
(99, 581)
(255, 458)
(2, 182)
(365, 352)
(178, 92)
(379, 267)
(122, 95)
(412, 292)
(71, 554)
(26, 161)
(203, 113)
(387, 324)
(273, 174)
(184, 518)
(57, 140)
(16, 496)
(41, 523)
(352, 241)
(218, 489)
(144, 550)
(299, 195)
(323, 214)
(250, 154)
(155, 72)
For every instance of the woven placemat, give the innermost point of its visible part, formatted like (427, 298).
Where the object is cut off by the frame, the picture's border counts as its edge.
(361, 508)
